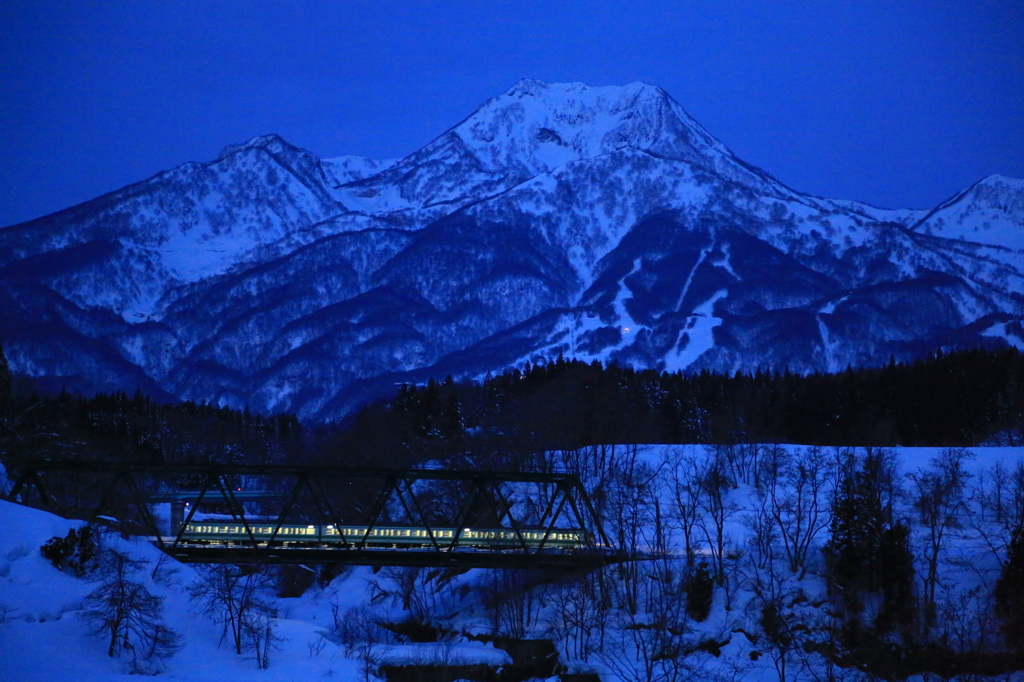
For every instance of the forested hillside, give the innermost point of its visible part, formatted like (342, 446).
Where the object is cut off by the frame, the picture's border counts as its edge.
(962, 398)
(958, 399)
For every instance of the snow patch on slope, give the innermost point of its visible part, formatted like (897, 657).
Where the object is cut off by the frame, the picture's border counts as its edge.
(342, 170)
(697, 337)
(1010, 333)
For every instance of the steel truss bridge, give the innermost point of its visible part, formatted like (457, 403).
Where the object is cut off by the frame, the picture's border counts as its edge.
(516, 519)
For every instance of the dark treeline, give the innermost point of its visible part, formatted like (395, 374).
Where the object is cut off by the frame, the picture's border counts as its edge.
(135, 428)
(962, 398)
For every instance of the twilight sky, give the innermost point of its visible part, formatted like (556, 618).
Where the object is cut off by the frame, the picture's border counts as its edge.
(900, 104)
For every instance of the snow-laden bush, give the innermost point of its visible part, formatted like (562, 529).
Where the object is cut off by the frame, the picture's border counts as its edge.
(77, 552)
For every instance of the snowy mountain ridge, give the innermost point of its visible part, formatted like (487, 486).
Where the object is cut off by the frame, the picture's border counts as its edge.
(602, 223)
(989, 212)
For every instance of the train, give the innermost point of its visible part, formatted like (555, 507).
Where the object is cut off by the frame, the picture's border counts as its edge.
(380, 537)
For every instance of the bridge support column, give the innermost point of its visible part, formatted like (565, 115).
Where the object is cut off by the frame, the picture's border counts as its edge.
(177, 518)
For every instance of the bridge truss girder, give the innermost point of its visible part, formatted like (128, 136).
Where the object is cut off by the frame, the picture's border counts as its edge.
(485, 494)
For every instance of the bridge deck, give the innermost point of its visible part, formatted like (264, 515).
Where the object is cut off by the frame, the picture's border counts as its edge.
(393, 557)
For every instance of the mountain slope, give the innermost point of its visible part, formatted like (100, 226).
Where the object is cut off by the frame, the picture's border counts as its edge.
(602, 223)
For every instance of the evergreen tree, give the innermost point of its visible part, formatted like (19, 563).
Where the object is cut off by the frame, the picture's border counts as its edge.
(857, 524)
(5, 382)
(843, 549)
(453, 425)
(1009, 593)
(700, 591)
(896, 571)
(866, 553)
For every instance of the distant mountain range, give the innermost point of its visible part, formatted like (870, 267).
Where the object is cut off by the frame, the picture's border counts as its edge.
(601, 223)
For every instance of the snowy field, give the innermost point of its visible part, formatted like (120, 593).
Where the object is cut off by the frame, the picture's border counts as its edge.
(43, 636)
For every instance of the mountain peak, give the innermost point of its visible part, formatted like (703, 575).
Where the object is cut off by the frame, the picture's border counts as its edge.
(531, 87)
(527, 87)
(1002, 181)
(991, 211)
(536, 128)
(270, 140)
(539, 126)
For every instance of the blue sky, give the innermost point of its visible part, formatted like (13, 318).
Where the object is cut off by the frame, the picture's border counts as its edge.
(894, 103)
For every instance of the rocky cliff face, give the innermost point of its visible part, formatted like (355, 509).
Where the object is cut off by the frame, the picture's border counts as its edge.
(598, 223)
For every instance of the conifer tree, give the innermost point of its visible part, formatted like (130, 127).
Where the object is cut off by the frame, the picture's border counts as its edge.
(1009, 593)
(5, 382)
(866, 552)
(843, 547)
(857, 524)
(896, 571)
(700, 593)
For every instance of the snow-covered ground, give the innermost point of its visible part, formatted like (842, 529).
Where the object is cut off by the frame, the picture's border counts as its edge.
(43, 637)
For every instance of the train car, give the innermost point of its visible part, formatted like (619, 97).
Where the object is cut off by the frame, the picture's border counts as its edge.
(409, 537)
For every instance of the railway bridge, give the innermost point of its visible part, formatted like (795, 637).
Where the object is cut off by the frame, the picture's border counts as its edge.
(255, 513)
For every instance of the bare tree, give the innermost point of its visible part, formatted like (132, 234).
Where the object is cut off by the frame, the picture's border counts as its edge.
(649, 642)
(238, 598)
(968, 620)
(513, 605)
(425, 595)
(796, 635)
(798, 493)
(594, 465)
(631, 491)
(764, 536)
(580, 613)
(940, 501)
(685, 493)
(165, 571)
(710, 481)
(129, 614)
(258, 630)
(1000, 479)
(362, 636)
(998, 493)
(1012, 511)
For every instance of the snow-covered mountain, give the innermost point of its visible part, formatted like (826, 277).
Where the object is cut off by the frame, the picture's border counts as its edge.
(596, 222)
